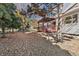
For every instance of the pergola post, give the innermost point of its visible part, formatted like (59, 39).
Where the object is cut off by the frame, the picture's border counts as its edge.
(38, 26)
(58, 26)
(43, 26)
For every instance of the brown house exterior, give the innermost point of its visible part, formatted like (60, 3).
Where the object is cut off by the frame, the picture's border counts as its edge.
(47, 25)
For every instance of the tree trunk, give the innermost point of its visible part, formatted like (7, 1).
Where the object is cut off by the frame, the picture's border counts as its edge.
(3, 32)
(12, 30)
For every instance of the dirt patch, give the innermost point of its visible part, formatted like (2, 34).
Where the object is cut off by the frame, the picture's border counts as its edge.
(29, 44)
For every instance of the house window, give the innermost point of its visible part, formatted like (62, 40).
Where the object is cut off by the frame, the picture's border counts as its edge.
(68, 20)
(75, 18)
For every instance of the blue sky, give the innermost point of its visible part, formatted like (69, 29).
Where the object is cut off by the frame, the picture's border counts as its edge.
(24, 6)
(66, 6)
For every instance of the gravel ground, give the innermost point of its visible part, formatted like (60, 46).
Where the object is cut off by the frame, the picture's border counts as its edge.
(29, 44)
(72, 45)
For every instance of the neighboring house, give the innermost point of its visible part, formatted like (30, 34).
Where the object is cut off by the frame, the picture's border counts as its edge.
(47, 25)
(70, 19)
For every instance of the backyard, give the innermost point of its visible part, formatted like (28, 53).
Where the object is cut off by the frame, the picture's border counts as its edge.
(36, 29)
(33, 44)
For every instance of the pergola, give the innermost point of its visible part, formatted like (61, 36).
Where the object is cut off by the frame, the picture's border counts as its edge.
(46, 19)
(56, 8)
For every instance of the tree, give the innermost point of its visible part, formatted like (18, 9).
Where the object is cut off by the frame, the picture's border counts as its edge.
(15, 23)
(41, 9)
(7, 17)
(4, 18)
(22, 15)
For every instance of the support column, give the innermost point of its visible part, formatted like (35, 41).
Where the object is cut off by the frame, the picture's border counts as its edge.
(58, 26)
(38, 26)
(43, 26)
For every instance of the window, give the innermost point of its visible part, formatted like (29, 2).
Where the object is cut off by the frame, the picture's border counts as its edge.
(68, 20)
(75, 19)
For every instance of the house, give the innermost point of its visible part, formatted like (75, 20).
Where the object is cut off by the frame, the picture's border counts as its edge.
(70, 20)
(47, 25)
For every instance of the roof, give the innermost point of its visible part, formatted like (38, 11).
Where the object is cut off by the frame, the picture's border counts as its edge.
(46, 19)
(70, 8)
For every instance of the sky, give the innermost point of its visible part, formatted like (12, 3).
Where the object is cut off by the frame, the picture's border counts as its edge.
(24, 6)
(66, 5)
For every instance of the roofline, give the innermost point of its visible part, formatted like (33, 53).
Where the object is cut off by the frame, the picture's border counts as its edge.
(70, 8)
